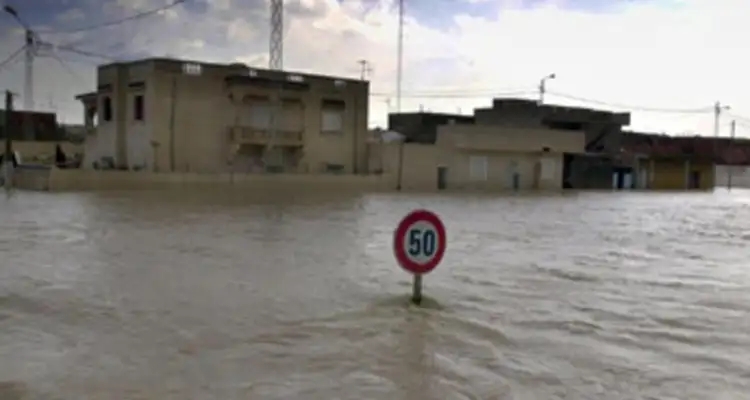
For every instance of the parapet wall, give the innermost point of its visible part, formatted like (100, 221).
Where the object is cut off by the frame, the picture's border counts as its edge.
(61, 180)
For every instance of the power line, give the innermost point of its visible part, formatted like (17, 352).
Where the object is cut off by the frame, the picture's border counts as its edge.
(11, 57)
(633, 107)
(745, 120)
(74, 50)
(458, 93)
(107, 24)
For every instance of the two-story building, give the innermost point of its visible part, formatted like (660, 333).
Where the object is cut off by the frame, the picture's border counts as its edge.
(183, 116)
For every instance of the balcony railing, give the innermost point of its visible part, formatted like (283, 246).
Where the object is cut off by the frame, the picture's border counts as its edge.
(247, 135)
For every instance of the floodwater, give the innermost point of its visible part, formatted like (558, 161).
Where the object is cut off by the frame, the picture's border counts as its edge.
(211, 295)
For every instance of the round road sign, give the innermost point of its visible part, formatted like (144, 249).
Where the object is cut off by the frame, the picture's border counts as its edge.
(419, 242)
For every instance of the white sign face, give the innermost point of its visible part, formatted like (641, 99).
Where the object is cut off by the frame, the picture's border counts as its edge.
(421, 242)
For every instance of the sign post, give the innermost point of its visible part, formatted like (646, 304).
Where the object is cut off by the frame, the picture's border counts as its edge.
(419, 245)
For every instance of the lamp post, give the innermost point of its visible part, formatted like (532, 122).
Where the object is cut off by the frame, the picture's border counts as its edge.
(543, 86)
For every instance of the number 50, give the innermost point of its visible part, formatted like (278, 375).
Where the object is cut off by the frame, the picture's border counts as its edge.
(422, 242)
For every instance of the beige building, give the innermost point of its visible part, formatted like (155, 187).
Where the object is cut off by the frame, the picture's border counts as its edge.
(479, 157)
(171, 115)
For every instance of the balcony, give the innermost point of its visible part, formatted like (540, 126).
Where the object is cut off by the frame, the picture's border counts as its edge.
(246, 135)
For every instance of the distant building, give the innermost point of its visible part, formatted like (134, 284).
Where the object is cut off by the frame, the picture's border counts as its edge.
(602, 128)
(173, 115)
(421, 127)
(43, 126)
(456, 152)
(585, 141)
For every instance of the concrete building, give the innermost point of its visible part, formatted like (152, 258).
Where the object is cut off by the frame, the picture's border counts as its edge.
(590, 157)
(421, 127)
(466, 156)
(184, 116)
(671, 163)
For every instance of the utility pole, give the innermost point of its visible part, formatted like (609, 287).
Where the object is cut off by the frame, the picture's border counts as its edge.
(29, 51)
(276, 63)
(8, 155)
(365, 69)
(718, 108)
(399, 72)
(733, 128)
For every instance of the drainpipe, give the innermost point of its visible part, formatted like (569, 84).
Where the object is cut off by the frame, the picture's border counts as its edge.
(355, 169)
(173, 106)
(400, 163)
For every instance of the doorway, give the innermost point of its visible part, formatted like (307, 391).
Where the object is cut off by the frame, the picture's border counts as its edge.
(695, 180)
(442, 177)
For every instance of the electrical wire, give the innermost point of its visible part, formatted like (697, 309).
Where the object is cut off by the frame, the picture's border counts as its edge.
(108, 24)
(74, 50)
(633, 107)
(454, 95)
(66, 67)
(12, 57)
(740, 119)
(529, 93)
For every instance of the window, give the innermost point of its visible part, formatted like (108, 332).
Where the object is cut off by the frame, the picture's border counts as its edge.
(295, 78)
(332, 116)
(478, 168)
(138, 107)
(260, 116)
(107, 109)
(332, 121)
(192, 69)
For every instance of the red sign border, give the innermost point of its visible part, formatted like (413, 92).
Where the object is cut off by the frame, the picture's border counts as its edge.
(400, 233)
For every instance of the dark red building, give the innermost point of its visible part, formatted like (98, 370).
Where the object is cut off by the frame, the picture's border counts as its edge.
(43, 126)
(723, 151)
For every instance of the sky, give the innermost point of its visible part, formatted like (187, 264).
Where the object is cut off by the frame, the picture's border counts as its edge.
(667, 61)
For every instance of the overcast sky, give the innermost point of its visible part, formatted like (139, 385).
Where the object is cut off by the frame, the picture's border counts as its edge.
(651, 55)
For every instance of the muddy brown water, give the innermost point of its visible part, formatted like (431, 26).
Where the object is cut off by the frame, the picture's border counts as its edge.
(238, 295)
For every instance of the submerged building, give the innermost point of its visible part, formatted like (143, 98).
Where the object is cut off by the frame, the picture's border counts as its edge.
(184, 116)
(514, 144)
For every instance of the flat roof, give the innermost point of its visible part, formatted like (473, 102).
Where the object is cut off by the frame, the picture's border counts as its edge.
(229, 66)
(85, 95)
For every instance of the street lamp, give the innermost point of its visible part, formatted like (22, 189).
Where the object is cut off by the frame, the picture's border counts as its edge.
(543, 86)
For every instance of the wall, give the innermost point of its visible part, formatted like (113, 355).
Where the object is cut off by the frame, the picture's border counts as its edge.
(507, 151)
(421, 127)
(31, 178)
(740, 176)
(419, 169)
(671, 175)
(45, 150)
(535, 171)
(54, 179)
(496, 138)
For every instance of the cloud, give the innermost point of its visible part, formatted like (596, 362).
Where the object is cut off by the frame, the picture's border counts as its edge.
(657, 54)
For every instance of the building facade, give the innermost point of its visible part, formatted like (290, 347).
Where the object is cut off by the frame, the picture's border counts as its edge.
(422, 127)
(183, 116)
(672, 163)
(589, 159)
(465, 156)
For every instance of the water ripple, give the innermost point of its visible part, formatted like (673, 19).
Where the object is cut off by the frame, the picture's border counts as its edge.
(290, 295)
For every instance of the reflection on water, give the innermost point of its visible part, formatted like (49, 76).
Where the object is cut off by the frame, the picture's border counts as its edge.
(228, 295)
